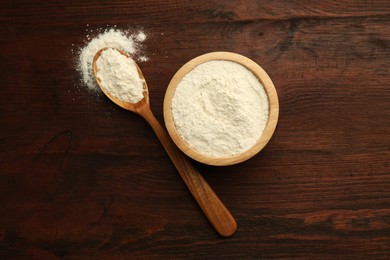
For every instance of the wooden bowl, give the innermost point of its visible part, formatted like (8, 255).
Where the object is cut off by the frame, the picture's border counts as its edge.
(272, 117)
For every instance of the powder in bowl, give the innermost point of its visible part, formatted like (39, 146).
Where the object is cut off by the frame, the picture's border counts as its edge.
(119, 76)
(220, 108)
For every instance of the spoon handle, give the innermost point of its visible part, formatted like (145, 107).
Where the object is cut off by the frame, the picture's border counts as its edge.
(212, 206)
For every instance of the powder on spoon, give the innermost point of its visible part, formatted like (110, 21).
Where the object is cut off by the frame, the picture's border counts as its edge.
(119, 76)
(220, 108)
(113, 38)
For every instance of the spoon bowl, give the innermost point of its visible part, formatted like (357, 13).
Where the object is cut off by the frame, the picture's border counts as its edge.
(212, 206)
(133, 107)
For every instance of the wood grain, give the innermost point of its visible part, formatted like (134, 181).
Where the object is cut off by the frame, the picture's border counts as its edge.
(81, 178)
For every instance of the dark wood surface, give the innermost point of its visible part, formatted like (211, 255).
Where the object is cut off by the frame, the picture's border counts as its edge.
(83, 179)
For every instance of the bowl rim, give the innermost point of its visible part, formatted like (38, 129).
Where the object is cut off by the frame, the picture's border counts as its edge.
(269, 88)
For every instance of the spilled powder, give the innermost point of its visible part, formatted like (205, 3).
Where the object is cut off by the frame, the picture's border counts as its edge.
(129, 43)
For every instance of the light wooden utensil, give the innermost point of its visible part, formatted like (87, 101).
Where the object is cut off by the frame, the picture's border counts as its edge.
(213, 208)
(272, 100)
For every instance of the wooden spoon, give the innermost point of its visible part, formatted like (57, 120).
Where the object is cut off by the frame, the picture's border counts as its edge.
(213, 208)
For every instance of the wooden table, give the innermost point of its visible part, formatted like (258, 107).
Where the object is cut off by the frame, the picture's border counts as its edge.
(81, 178)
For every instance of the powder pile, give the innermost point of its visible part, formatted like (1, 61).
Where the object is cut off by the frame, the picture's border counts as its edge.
(113, 38)
(220, 108)
(119, 76)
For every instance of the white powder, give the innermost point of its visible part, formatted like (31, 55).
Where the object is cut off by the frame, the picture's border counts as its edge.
(220, 108)
(119, 76)
(113, 38)
(141, 36)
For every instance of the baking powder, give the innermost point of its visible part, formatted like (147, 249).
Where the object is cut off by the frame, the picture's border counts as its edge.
(220, 108)
(112, 38)
(119, 76)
